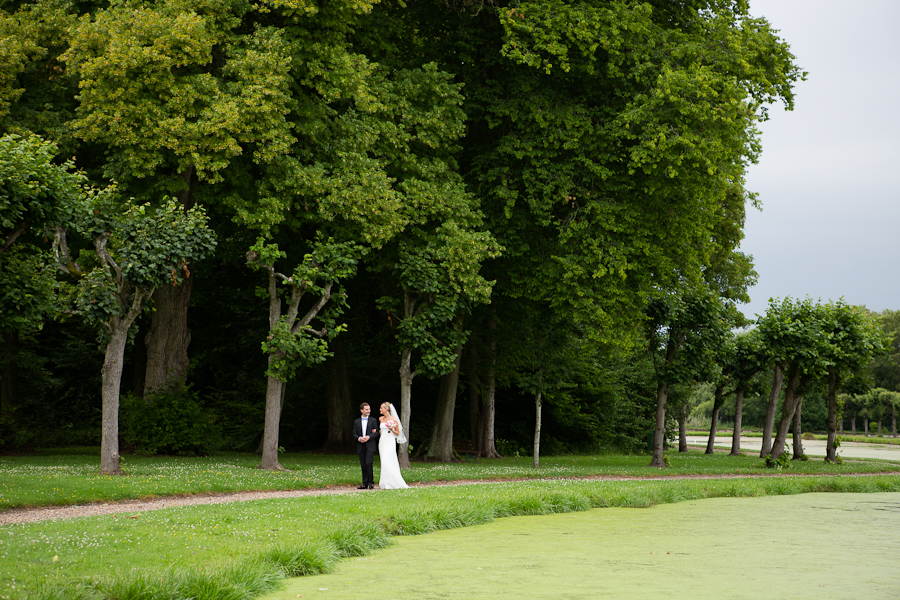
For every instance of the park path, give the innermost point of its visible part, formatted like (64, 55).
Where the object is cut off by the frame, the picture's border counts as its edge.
(47, 513)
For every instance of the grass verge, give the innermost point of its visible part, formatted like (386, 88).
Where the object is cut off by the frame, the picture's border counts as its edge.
(46, 480)
(242, 550)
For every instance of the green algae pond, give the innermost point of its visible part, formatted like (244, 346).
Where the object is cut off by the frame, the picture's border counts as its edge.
(809, 546)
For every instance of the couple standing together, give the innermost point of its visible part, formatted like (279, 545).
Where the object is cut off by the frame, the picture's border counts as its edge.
(379, 435)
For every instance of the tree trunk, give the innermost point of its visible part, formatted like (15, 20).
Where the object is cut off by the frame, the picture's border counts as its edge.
(798, 432)
(853, 425)
(274, 396)
(879, 427)
(112, 378)
(476, 425)
(769, 424)
(714, 422)
(9, 377)
(117, 327)
(659, 434)
(791, 399)
(140, 357)
(476, 428)
(738, 417)
(866, 426)
(487, 435)
(682, 428)
(262, 440)
(406, 379)
(441, 446)
(830, 446)
(337, 397)
(894, 420)
(489, 407)
(168, 339)
(488, 416)
(536, 463)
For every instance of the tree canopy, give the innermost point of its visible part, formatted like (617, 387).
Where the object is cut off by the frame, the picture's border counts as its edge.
(528, 201)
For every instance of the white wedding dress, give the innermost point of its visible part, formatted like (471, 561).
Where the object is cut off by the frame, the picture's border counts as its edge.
(390, 477)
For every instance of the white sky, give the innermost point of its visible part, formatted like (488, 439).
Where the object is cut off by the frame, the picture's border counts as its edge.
(829, 175)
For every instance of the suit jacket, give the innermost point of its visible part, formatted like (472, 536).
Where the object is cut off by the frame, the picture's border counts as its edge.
(372, 431)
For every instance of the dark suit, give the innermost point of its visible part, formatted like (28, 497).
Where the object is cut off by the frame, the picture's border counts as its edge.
(367, 450)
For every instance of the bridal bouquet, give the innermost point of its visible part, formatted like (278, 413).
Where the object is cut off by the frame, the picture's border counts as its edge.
(390, 423)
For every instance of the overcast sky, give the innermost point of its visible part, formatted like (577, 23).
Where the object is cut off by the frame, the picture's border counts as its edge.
(829, 175)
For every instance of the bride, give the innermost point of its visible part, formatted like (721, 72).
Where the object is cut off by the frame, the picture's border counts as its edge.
(391, 434)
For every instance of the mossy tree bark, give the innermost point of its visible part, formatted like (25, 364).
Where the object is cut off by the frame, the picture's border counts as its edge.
(441, 446)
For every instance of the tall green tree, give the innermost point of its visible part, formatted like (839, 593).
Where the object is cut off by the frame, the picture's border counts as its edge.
(437, 276)
(37, 194)
(795, 341)
(854, 339)
(293, 341)
(604, 137)
(172, 92)
(136, 248)
(545, 360)
(685, 332)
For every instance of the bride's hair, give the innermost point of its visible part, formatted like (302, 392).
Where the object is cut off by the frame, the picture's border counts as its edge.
(388, 405)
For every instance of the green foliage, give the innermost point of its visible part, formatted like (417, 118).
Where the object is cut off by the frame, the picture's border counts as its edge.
(510, 449)
(292, 341)
(35, 192)
(685, 332)
(169, 421)
(885, 369)
(28, 288)
(36, 196)
(602, 146)
(780, 462)
(151, 90)
(139, 247)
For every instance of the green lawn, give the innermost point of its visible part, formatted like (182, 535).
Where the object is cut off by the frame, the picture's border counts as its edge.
(242, 550)
(50, 479)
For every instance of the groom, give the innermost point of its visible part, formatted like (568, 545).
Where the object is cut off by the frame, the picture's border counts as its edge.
(365, 430)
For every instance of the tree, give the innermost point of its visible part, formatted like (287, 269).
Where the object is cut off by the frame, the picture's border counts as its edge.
(854, 339)
(745, 360)
(796, 342)
(546, 356)
(885, 368)
(603, 138)
(137, 248)
(36, 196)
(880, 403)
(684, 332)
(173, 93)
(292, 341)
(437, 272)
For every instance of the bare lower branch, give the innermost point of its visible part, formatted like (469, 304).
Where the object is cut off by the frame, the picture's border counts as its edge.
(312, 312)
(64, 260)
(274, 300)
(108, 261)
(15, 233)
(296, 295)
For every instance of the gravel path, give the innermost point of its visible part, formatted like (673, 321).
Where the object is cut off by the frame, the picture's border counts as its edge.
(46, 513)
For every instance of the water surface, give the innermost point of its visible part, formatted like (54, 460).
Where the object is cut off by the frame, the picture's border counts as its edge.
(810, 546)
